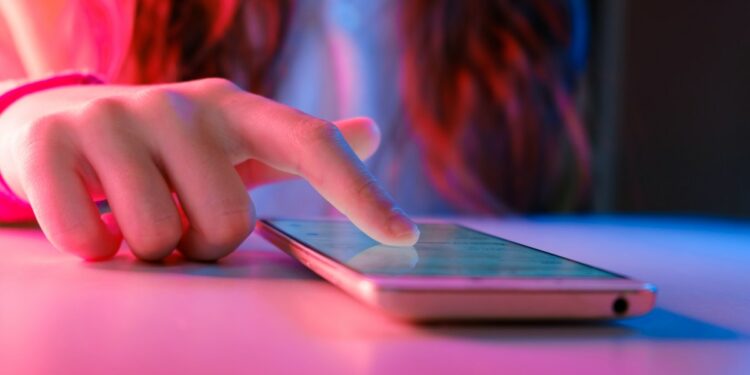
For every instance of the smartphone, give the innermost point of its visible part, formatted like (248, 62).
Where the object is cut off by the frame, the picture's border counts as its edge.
(457, 273)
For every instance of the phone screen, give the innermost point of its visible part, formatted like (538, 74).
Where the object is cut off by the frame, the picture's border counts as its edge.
(442, 250)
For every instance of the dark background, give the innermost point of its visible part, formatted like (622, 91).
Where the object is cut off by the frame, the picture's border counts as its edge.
(667, 100)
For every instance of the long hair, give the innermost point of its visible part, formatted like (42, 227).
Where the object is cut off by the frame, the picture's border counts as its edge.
(488, 90)
(486, 87)
(177, 40)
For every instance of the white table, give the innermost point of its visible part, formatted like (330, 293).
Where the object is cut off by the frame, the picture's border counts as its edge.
(258, 311)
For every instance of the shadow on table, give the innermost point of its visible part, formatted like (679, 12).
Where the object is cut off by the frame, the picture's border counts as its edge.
(249, 264)
(660, 324)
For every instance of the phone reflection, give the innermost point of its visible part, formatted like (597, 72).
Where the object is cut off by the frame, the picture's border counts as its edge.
(384, 259)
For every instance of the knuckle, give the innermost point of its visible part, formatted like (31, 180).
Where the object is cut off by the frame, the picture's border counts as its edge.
(103, 107)
(368, 190)
(39, 141)
(102, 121)
(213, 96)
(159, 95)
(229, 227)
(313, 130)
(310, 136)
(43, 130)
(100, 118)
(214, 84)
(168, 102)
(155, 239)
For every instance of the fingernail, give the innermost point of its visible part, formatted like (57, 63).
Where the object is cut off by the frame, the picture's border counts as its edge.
(401, 226)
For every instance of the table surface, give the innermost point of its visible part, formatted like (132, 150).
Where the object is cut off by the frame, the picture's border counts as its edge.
(259, 311)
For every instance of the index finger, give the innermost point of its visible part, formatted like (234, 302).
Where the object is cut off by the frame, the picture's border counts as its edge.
(295, 142)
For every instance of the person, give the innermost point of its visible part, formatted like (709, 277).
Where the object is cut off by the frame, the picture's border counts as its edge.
(175, 123)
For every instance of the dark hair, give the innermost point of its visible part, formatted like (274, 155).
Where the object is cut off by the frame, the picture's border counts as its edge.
(486, 87)
(237, 40)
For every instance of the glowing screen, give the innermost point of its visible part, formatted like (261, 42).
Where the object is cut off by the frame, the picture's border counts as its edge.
(442, 250)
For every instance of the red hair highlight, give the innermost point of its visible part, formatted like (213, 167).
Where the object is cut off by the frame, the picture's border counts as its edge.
(486, 89)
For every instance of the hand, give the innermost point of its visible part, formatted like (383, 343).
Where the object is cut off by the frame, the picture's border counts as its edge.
(153, 151)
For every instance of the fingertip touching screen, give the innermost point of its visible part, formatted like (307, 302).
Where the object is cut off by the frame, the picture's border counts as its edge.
(444, 250)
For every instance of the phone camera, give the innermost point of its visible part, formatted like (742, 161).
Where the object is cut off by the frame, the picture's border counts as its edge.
(620, 306)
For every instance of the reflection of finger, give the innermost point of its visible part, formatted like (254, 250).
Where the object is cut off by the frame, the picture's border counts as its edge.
(360, 133)
(295, 142)
(388, 259)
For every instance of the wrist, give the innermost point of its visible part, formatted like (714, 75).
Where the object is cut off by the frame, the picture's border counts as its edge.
(12, 208)
(30, 91)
